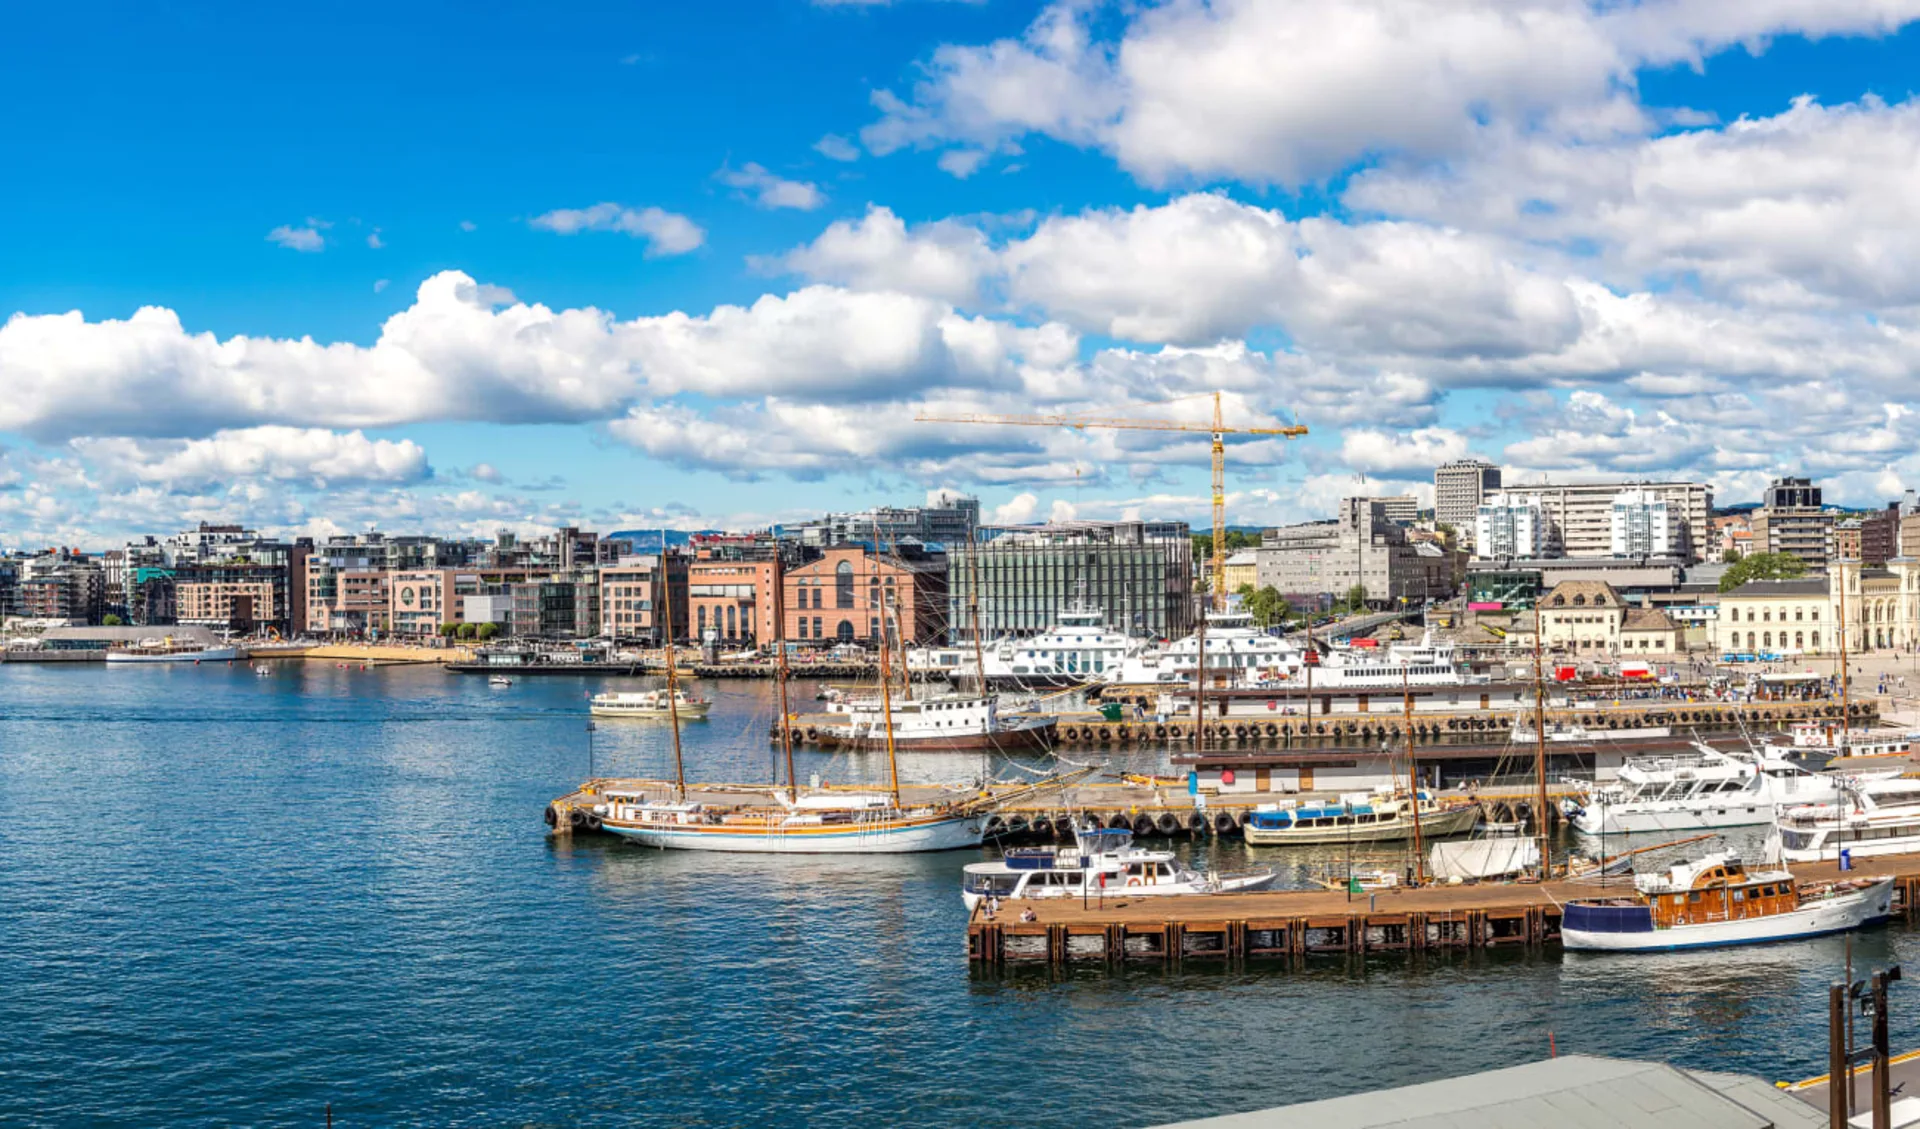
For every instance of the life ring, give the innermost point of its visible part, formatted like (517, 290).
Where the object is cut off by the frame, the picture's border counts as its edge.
(1133, 882)
(1227, 776)
(1272, 705)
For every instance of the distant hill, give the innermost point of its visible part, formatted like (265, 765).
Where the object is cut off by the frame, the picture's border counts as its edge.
(648, 540)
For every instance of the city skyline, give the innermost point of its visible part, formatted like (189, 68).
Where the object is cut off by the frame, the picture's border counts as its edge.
(700, 270)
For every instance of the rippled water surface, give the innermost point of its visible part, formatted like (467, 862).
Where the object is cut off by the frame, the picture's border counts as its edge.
(232, 900)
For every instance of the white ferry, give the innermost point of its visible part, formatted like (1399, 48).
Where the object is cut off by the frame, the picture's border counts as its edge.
(1716, 901)
(1101, 862)
(1697, 789)
(649, 704)
(1874, 817)
(939, 723)
(171, 650)
(1237, 652)
(1077, 650)
(1425, 663)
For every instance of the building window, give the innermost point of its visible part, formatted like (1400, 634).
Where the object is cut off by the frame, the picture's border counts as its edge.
(1799, 639)
(803, 627)
(846, 630)
(703, 621)
(731, 630)
(1750, 643)
(1799, 614)
(1766, 640)
(816, 628)
(842, 585)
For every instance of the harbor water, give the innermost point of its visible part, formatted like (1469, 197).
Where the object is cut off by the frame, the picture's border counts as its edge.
(228, 899)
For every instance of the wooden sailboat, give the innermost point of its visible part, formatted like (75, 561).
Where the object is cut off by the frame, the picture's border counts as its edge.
(818, 823)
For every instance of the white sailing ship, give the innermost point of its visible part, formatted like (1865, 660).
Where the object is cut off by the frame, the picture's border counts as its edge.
(1700, 788)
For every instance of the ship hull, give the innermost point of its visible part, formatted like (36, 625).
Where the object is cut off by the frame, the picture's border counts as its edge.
(1451, 822)
(1033, 738)
(1828, 915)
(210, 655)
(887, 837)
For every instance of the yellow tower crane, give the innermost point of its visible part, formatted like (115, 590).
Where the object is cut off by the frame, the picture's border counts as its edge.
(1218, 430)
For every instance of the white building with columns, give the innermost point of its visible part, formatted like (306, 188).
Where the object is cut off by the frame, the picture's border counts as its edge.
(1803, 616)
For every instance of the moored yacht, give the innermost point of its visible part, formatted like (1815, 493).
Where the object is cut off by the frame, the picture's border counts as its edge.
(810, 824)
(1816, 745)
(1100, 863)
(1702, 787)
(1358, 818)
(1872, 817)
(1716, 901)
(171, 650)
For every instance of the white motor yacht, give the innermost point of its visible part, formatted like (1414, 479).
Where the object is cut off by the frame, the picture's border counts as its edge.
(1700, 788)
(1102, 862)
(1816, 745)
(1872, 817)
(649, 704)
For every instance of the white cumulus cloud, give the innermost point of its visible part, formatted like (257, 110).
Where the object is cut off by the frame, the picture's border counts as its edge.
(666, 233)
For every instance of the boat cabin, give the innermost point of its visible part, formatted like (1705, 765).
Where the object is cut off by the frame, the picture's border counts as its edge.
(1714, 890)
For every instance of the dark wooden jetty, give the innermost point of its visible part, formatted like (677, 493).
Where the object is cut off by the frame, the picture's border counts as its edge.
(1294, 924)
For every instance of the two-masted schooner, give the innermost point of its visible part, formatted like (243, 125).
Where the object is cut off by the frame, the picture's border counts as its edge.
(876, 822)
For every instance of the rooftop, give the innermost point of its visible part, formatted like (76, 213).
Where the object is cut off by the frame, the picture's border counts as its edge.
(1763, 589)
(1569, 1092)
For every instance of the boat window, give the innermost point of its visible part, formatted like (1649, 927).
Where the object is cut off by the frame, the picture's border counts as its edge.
(1693, 896)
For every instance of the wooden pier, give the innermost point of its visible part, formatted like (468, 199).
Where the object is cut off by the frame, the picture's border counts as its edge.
(1296, 924)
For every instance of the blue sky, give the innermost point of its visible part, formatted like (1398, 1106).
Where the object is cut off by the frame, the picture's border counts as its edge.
(1610, 240)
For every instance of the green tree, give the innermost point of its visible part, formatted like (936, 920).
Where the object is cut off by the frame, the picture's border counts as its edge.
(486, 631)
(1356, 598)
(1762, 566)
(111, 620)
(449, 630)
(466, 631)
(1267, 605)
(1731, 556)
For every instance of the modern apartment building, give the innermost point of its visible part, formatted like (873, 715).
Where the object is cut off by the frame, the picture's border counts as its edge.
(1508, 528)
(1401, 509)
(637, 593)
(243, 605)
(1794, 522)
(1580, 516)
(1458, 489)
(1641, 526)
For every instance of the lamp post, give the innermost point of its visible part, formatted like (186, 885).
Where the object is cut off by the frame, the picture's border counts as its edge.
(590, 729)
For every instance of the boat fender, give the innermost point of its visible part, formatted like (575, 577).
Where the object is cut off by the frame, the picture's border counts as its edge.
(1272, 729)
(1159, 731)
(1105, 735)
(1321, 729)
(577, 818)
(1240, 731)
(1196, 822)
(593, 822)
(552, 817)
(812, 733)
(1175, 732)
(1224, 823)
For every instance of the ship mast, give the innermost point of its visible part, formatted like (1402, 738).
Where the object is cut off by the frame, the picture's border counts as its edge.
(886, 695)
(673, 691)
(780, 650)
(1540, 744)
(1846, 714)
(1413, 775)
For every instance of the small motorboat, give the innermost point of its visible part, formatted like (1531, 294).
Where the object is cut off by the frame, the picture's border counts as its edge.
(499, 680)
(649, 704)
(1103, 862)
(262, 669)
(1716, 901)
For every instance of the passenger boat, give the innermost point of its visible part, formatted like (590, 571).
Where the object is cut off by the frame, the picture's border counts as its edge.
(171, 650)
(646, 704)
(939, 723)
(1687, 791)
(1077, 650)
(1872, 817)
(1101, 862)
(1716, 901)
(1358, 818)
(1817, 746)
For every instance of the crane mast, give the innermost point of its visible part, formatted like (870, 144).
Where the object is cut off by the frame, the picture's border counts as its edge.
(1217, 430)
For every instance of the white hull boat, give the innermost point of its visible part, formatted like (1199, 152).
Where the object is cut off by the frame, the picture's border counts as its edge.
(1356, 819)
(1876, 817)
(649, 704)
(1697, 790)
(1716, 902)
(823, 825)
(173, 654)
(1102, 863)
